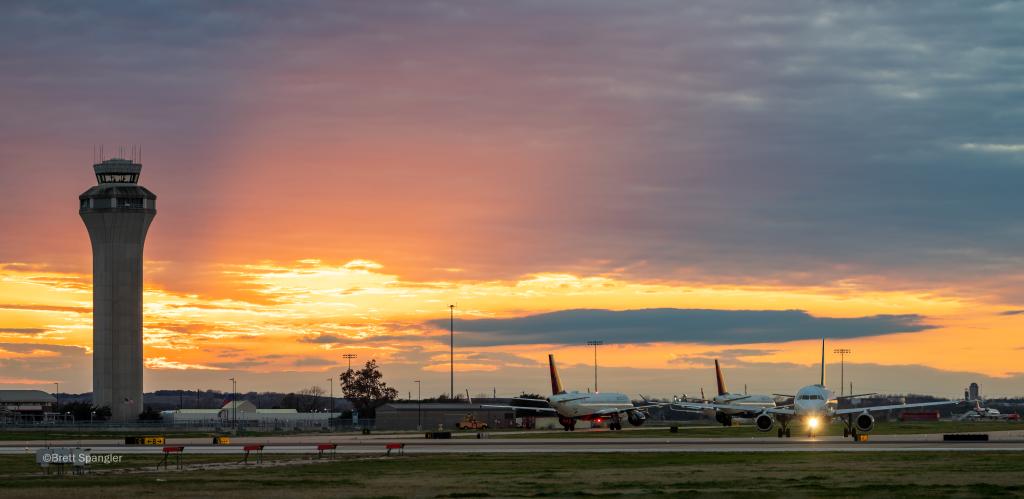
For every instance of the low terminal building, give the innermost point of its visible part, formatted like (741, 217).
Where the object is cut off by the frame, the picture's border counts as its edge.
(408, 415)
(245, 412)
(27, 406)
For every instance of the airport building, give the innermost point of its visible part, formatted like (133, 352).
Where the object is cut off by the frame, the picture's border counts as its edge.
(26, 405)
(246, 413)
(431, 416)
(117, 213)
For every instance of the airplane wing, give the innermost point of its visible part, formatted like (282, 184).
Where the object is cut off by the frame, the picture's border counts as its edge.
(692, 407)
(858, 410)
(581, 397)
(611, 411)
(687, 408)
(649, 405)
(714, 407)
(844, 397)
(516, 408)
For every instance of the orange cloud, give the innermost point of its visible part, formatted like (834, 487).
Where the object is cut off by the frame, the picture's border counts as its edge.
(310, 307)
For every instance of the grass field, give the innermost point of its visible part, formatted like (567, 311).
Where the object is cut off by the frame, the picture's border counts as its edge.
(89, 435)
(764, 474)
(748, 431)
(93, 434)
(697, 431)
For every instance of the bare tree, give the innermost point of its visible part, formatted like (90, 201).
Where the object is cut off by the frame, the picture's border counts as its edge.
(309, 398)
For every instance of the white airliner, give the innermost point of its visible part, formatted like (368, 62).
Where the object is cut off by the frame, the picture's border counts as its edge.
(979, 413)
(752, 404)
(574, 406)
(815, 405)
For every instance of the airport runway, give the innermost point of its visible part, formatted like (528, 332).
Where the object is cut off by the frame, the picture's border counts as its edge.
(1008, 442)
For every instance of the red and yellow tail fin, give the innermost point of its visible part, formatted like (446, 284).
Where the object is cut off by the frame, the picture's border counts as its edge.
(556, 383)
(722, 390)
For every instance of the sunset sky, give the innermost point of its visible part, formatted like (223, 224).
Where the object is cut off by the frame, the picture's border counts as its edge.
(682, 180)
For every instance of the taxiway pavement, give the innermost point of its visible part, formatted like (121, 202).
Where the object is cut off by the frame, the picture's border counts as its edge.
(416, 444)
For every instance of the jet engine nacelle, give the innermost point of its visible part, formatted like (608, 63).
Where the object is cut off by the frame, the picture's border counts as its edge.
(636, 418)
(864, 422)
(764, 422)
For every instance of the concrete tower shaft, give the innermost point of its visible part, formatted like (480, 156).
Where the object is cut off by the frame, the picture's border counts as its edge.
(117, 212)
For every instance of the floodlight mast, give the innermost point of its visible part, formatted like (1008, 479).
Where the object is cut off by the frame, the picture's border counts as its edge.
(595, 344)
(842, 368)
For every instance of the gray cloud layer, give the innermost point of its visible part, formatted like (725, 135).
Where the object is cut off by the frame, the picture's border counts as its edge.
(808, 142)
(674, 325)
(22, 330)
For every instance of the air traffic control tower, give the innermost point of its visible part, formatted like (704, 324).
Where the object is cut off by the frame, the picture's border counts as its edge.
(117, 212)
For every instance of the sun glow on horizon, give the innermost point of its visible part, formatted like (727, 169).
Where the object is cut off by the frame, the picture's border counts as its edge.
(308, 310)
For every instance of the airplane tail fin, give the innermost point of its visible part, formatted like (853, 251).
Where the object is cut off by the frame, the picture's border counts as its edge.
(556, 382)
(823, 362)
(722, 390)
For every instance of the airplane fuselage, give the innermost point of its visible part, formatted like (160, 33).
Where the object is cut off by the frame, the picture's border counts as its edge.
(752, 404)
(814, 401)
(581, 405)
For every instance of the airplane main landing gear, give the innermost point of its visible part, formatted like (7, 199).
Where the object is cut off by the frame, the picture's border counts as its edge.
(724, 419)
(616, 423)
(568, 424)
(849, 430)
(784, 432)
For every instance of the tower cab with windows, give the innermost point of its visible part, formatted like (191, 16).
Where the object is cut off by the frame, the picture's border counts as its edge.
(117, 188)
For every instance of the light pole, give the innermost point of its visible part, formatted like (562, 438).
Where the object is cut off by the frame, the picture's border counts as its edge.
(331, 381)
(57, 393)
(595, 343)
(451, 340)
(234, 403)
(419, 406)
(842, 368)
(349, 356)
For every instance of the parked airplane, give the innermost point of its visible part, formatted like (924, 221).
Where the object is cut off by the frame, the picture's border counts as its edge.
(979, 413)
(574, 406)
(752, 404)
(815, 405)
